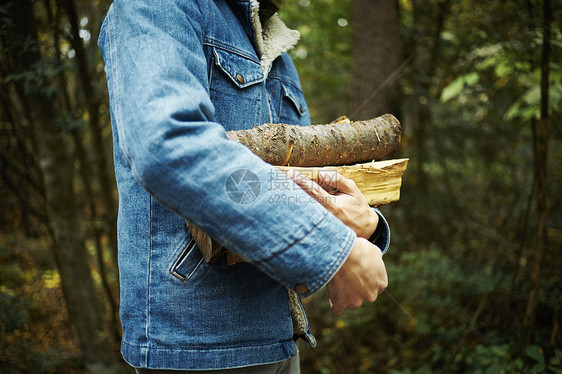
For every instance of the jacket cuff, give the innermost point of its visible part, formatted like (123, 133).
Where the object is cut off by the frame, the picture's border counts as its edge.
(312, 261)
(381, 236)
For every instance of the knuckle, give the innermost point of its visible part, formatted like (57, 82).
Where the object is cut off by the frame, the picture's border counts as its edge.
(372, 297)
(381, 288)
(384, 284)
(349, 183)
(356, 304)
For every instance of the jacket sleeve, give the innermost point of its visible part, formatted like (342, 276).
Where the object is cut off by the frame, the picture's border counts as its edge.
(381, 236)
(157, 79)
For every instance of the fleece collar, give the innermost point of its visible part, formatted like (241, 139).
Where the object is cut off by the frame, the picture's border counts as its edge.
(273, 38)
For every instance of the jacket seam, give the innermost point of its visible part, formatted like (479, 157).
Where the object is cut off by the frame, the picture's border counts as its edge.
(295, 243)
(149, 276)
(212, 42)
(233, 347)
(224, 69)
(203, 14)
(115, 84)
(285, 80)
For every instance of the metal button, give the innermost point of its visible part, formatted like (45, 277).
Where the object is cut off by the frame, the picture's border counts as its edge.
(301, 289)
(239, 78)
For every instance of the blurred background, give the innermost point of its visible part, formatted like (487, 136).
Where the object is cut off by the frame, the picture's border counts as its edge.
(475, 263)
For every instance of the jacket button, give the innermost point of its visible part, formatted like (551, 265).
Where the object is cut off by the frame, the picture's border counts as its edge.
(301, 289)
(239, 78)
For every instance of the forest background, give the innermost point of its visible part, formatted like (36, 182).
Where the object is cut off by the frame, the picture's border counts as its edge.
(476, 255)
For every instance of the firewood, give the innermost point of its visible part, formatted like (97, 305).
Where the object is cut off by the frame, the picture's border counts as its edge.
(344, 143)
(310, 148)
(378, 181)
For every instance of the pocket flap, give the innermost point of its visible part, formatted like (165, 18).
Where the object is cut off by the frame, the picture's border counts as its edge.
(187, 262)
(295, 96)
(241, 70)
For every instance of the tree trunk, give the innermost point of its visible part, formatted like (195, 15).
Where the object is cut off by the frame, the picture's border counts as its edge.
(69, 247)
(376, 58)
(93, 105)
(424, 47)
(56, 166)
(321, 145)
(542, 152)
(96, 229)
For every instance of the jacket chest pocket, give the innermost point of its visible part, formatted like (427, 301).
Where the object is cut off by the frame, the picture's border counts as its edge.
(292, 106)
(236, 89)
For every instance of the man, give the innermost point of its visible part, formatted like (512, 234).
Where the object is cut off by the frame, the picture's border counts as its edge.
(179, 73)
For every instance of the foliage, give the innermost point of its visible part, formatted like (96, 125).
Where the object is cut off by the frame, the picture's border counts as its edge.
(323, 55)
(35, 331)
(464, 232)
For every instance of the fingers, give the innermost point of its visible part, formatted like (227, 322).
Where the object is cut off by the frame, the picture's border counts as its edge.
(360, 279)
(311, 187)
(332, 180)
(339, 307)
(327, 180)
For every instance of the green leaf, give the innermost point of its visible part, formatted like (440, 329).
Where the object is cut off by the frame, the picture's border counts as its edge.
(494, 369)
(513, 111)
(455, 87)
(471, 79)
(452, 90)
(499, 350)
(503, 69)
(536, 353)
(532, 96)
(529, 112)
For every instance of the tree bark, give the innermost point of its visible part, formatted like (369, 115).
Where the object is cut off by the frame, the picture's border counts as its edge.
(321, 145)
(424, 47)
(376, 58)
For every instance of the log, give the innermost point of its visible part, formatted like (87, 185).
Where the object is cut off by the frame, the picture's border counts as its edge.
(310, 148)
(343, 143)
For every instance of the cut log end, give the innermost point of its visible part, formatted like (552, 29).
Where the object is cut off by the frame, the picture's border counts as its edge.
(378, 181)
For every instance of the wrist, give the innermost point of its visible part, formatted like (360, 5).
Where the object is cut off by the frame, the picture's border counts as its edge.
(372, 226)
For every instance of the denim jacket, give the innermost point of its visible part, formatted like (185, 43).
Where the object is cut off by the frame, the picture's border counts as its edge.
(180, 73)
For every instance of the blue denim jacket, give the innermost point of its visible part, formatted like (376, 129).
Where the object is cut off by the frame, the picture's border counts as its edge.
(179, 73)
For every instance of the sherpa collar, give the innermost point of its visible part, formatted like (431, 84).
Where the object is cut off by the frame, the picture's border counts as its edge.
(273, 37)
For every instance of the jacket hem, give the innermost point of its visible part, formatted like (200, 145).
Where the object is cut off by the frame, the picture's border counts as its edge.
(159, 357)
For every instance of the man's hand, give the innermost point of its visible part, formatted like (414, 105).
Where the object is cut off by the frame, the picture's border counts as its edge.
(361, 278)
(346, 201)
(363, 275)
